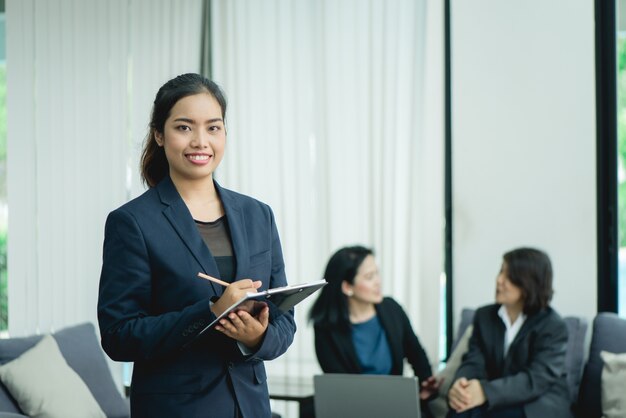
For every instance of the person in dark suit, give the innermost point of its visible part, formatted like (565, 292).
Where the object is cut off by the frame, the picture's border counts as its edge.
(357, 330)
(152, 306)
(515, 363)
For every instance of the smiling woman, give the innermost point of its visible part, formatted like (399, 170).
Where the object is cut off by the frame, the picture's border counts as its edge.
(152, 305)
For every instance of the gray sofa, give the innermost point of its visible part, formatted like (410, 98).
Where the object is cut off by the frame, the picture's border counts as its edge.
(608, 333)
(81, 350)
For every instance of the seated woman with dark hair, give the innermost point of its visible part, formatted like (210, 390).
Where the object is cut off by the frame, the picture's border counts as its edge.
(359, 331)
(515, 363)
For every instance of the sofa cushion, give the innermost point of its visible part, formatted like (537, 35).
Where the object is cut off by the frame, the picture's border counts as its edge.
(45, 386)
(467, 318)
(613, 384)
(83, 353)
(439, 405)
(608, 334)
(11, 349)
(7, 403)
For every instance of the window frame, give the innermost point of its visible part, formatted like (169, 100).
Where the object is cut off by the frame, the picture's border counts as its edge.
(606, 155)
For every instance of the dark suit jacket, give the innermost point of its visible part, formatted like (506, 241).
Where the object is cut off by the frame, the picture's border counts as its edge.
(152, 305)
(336, 353)
(532, 374)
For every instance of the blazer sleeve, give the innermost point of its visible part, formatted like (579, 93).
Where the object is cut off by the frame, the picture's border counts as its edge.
(414, 352)
(547, 362)
(280, 331)
(128, 330)
(473, 365)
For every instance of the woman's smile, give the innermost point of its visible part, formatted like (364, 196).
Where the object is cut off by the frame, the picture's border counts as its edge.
(199, 158)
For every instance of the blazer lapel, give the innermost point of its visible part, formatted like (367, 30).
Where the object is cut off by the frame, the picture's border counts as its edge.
(346, 349)
(181, 220)
(498, 337)
(238, 235)
(393, 338)
(521, 335)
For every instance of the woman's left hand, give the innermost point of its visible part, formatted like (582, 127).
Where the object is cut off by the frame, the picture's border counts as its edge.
(245, 328)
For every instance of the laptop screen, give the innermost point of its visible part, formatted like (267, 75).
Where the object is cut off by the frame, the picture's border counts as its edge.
(366, 396)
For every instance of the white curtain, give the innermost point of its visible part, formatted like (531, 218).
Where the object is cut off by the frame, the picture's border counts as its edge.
(335, 120)
(81, 77)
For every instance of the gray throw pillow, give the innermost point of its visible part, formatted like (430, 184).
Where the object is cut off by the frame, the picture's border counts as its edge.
(10, 349)
(83, 353)
(44, 385)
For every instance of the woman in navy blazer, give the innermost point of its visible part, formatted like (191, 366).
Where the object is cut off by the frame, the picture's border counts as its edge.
(152, 305)
(515, 363)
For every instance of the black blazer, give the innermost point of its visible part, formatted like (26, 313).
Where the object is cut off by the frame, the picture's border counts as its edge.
(152, 305)
(336, 352)
(532, 374)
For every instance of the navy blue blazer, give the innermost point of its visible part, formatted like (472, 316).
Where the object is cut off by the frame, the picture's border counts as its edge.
(152, 306)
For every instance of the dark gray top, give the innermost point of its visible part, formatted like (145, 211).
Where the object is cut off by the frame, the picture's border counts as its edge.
(216, 236)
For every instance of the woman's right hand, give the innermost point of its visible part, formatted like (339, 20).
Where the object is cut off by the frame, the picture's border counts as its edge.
(458, 395)
(466, 394)
(233, 293)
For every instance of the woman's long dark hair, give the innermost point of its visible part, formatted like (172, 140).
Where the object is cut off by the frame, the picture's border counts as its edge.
(154, 165)
(331, 307)
(531, 270)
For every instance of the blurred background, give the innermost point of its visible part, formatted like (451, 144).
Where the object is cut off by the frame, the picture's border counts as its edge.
(440, 133)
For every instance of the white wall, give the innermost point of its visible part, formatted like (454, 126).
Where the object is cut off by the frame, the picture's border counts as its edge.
(523, 144)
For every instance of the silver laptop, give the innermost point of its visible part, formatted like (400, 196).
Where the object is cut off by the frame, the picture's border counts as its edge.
(366, 396)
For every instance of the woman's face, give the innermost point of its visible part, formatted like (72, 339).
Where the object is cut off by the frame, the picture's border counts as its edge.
(366, 287)
(193, 137)
(506, 292)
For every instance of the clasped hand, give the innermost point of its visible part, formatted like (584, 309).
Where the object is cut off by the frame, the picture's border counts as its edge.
(240, 325)
(466, 394)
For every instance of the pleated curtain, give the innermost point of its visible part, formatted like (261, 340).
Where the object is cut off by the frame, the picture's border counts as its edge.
(335, 120)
